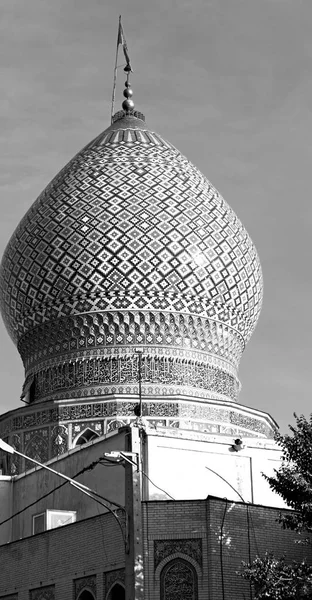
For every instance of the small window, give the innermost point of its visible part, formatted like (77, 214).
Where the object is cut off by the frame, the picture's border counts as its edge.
(39, 523)
(3, 465)
(50, 519)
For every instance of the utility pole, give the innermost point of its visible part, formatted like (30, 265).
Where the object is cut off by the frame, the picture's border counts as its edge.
(133, 502)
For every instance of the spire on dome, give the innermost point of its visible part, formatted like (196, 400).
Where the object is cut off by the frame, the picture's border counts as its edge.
(127, 104)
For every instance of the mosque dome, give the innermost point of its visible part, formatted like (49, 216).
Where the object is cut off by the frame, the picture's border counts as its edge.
(129, 250)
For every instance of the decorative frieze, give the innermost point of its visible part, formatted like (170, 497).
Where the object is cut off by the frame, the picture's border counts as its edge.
(44, 434)
(122, 374)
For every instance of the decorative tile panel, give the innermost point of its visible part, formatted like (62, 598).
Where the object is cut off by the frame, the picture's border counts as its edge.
(191, 547)
(111, 577)
(85, 583)
(43, 593)
(124, 331)
(178, 580)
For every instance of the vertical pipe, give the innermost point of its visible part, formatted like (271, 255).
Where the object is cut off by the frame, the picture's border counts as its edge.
(140, 382)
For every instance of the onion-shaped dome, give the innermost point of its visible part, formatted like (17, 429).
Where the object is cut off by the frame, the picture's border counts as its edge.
(130, 248)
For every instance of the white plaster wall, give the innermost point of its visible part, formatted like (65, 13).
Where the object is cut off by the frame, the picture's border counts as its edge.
(179, 466)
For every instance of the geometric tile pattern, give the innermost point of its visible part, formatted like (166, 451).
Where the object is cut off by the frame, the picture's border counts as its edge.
(102, 333)
(130, 240)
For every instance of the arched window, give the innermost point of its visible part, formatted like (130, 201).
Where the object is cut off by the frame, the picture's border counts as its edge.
(178, 579)
(86, 436)
(86, 595)
(117, 592)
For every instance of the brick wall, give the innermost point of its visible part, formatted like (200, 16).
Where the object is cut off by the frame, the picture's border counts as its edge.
(193, 530)
(246, 531)
(187, 529)
(180, 525)
(60, 556)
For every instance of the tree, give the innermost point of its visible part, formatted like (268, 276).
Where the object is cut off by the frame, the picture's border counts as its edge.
(293, 480)
(272, 577)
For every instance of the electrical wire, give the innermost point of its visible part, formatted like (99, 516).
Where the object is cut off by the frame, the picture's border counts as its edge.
(254, 534)
(141, 471)
(156, 486)
(249, 520)
(249, 545)
(226, 481)
(88, 468)
(221, 549)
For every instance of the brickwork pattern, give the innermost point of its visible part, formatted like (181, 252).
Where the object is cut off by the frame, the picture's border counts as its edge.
(173, 524)
(244, 530)
(58, 556)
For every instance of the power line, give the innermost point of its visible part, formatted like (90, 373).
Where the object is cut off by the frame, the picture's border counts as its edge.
(156, 486)
(88, 468)
(141, 471)
(221, 550)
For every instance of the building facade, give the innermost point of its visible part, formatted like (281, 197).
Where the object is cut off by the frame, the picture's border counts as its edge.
(131, 289)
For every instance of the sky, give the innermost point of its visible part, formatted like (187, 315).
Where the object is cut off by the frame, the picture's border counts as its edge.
(228, 82)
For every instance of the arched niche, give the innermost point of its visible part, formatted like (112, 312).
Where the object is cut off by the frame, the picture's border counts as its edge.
(85, 436)
(117, 592)
(178, 579)
(86, 595)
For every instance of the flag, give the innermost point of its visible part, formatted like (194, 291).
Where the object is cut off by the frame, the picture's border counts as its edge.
(121, 41)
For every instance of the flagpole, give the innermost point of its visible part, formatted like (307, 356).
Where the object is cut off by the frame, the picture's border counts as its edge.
(115, 72)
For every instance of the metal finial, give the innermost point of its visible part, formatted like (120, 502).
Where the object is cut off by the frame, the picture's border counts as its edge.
(121, 41)
(128, 104)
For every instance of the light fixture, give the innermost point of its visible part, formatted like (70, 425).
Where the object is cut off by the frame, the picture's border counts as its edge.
(238, 445)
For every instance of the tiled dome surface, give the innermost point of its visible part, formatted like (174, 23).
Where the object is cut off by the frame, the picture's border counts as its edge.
(130, 227)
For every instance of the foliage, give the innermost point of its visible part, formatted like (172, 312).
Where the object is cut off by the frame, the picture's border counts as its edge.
(274, 579)
(293, 480)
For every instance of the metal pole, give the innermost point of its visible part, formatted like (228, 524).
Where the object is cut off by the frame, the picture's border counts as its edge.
(140, 383)
(115, 72)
